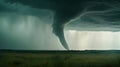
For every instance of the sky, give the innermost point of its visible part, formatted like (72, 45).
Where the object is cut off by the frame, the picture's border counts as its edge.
(28, 28)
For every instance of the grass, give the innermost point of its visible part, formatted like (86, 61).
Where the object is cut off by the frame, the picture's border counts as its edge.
(17, 59)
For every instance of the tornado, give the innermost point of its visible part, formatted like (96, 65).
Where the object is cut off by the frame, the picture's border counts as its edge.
(66, 10)
(58, 30)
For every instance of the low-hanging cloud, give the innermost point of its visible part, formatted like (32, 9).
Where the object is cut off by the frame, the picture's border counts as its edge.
(83, 14)
(101, 16)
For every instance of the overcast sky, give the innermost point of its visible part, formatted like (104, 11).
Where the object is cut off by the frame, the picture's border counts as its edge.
(25, 27)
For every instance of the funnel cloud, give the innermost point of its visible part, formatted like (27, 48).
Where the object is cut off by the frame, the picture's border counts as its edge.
(95, 13)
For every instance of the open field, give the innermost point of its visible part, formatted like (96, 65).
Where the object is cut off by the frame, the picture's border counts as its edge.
(59, 58)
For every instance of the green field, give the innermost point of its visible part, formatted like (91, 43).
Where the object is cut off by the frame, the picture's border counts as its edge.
(59, 59)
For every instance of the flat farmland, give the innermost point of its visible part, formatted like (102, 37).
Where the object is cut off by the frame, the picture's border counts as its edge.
(12, 58)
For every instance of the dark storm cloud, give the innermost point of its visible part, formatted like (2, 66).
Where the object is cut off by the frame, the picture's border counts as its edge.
(99, 16)
(66, 10)
(102, 12)
(22, 9)
(95, 20)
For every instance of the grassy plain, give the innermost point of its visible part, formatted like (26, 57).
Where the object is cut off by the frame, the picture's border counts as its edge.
(60, 59)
